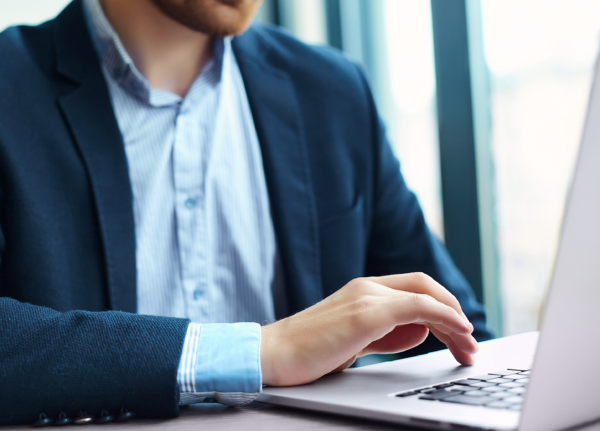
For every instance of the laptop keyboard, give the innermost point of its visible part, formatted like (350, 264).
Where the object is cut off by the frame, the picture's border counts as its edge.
(499, 390)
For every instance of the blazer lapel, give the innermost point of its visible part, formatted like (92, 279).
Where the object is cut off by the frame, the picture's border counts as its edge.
(89, 114)
(278, 122)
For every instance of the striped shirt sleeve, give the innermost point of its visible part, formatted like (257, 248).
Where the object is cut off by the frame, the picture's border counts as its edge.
(220, 361)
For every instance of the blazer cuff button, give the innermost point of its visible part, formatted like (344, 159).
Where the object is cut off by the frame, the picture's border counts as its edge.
(43, 421)
(105, 418)
(63, 420)
(125, 415)
(83, 419)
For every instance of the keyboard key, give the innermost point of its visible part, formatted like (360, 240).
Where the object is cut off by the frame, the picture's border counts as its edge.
(512, 385)
(484, 378)
(511, 376)
(523, 381)
(442, 386)
(465, 382)
(481, 385)
(513, 400)
(520, 370)
(427, 390)
(516, 407)
(499, 380)
(463, 399)
(517, 376)
(477, 394)
(407, 394)
(459, 388)
(500, 394)
(469, 388)
(442, 393)
(503, 372)
(517, 391)
(494, 389)
(499, 405)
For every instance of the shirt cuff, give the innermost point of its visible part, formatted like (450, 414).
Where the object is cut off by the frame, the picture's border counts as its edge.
(220, 361)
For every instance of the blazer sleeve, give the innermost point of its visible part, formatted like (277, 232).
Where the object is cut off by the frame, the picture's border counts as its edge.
(79, 361)
(400, 240)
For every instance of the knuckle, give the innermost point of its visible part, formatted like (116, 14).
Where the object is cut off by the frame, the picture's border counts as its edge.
(417, 300)
(362, 286)
(455, 302)
(423, 299)
(417, 304)
(428, 298)
(363, 303)
(363, 311)
(424, 305)
(421, 278)
(358, 280)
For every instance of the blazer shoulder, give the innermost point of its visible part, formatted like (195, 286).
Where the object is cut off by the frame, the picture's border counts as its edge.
(285, 44)
(317, 63)
(12, 46)
(30, 50)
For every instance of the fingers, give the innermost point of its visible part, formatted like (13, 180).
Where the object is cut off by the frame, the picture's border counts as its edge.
(465, 342)
(405, 337)
(416, 308)
(444, 320)
(400, 339)
(418, 282)
(463, 357)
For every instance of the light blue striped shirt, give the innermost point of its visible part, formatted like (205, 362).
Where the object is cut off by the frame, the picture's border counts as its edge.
(205, 245)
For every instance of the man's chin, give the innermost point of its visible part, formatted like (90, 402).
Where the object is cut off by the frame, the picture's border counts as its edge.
(232, 3)
(215, 17)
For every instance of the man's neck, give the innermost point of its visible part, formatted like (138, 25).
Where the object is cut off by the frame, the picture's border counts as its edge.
(167, 53)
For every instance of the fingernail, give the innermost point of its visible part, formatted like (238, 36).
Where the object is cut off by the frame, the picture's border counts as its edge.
(475, 344)
(469, 324)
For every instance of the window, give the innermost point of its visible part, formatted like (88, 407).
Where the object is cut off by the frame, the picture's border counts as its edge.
(29, 11)
(410, 116)
(540, 55)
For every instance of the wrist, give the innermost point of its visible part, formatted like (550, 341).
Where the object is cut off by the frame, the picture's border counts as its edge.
(266, 339)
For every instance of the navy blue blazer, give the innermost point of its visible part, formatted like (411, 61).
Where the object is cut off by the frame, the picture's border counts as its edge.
(69, 338)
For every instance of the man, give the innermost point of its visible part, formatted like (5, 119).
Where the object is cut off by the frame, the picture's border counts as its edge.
(153, 170)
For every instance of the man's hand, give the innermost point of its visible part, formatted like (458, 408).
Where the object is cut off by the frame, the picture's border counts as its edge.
(369, 315)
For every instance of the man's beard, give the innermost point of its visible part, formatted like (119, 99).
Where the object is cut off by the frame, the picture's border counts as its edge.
(213, 17)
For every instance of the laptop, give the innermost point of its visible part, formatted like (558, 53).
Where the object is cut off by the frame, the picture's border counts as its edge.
(530, 382)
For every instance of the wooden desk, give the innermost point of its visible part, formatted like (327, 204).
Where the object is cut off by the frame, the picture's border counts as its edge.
(253, 417)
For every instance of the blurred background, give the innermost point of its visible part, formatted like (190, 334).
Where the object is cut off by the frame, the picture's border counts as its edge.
(484, 103)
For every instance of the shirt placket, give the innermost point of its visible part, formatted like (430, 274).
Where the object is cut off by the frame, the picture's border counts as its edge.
(190, 205)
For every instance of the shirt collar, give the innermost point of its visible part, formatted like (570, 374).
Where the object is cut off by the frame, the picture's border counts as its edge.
(121, 68)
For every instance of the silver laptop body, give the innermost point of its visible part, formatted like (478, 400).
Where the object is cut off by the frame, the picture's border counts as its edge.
(562, 390)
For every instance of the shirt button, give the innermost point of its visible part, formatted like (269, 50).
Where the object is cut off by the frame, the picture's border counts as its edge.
(190, 203)
(198, 294)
